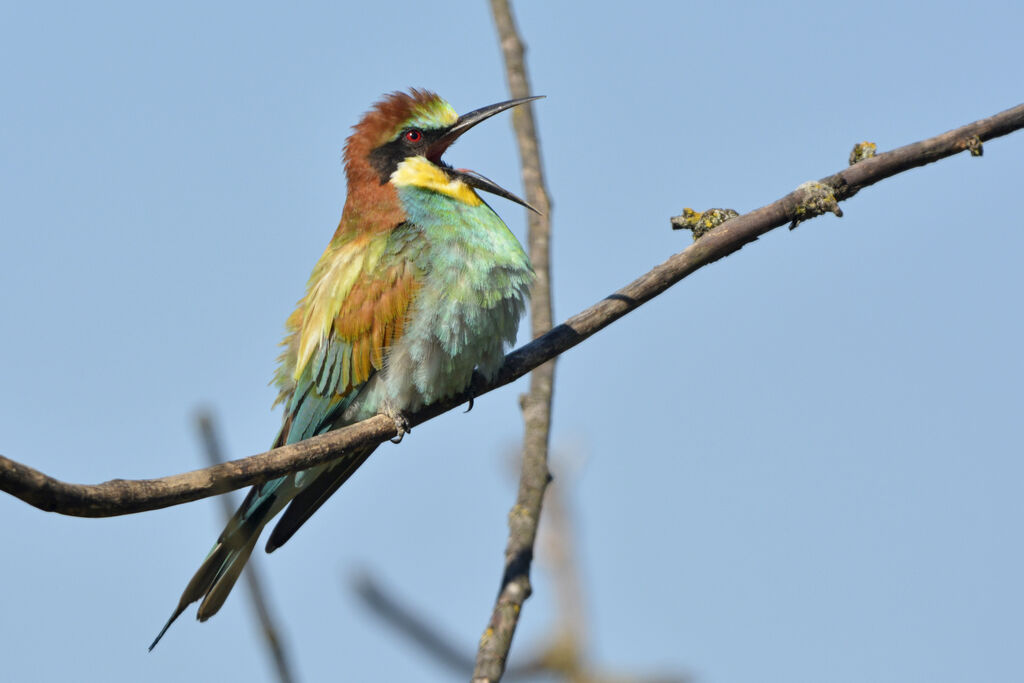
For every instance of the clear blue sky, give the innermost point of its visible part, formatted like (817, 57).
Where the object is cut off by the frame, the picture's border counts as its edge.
(801, 464)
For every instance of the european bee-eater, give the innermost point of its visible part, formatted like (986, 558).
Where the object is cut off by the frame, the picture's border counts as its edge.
(421, 284)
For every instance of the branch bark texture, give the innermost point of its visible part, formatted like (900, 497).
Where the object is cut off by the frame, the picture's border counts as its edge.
(524, 517)
(121, 497)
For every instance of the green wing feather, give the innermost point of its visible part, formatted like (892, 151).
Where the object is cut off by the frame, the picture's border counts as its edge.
(355, 307)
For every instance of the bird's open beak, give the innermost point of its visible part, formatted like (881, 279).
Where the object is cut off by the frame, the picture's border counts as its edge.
(465, 122)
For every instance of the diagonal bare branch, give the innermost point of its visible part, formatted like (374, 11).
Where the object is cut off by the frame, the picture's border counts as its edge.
(121, 497)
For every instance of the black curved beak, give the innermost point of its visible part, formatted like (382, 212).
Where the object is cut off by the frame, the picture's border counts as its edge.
(467, 121)
(464, 123)
(474, 179)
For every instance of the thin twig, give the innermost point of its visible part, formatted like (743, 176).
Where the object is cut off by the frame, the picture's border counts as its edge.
(275, 645)
(424, 634)
(525, 514)
(121, 497)
(412, 626)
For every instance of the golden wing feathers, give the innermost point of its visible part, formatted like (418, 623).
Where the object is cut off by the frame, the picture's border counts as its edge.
(355, 308)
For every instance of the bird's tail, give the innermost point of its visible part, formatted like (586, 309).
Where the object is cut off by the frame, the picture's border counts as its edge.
(305, 490)
(217, 575)
(212, 582)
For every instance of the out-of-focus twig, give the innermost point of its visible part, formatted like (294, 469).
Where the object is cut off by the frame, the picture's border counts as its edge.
(525, 515)
(410, 625)
(566, 650)
(422, 633)
(276, 648)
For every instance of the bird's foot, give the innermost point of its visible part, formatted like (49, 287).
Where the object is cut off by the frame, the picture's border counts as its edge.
(401, 424)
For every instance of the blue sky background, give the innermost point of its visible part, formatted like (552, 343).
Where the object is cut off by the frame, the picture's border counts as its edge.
(801, 464)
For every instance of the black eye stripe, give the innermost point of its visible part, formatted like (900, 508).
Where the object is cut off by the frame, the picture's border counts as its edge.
(385, 159)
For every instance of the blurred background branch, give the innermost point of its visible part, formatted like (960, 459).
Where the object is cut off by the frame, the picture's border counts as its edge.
(275, 646)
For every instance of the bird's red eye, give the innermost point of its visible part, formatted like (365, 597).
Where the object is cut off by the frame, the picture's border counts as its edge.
(413, 135)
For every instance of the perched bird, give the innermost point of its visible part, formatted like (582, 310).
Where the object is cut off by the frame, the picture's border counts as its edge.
(421, 284)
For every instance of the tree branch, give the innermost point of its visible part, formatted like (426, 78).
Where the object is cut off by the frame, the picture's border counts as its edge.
(120, 497)
(524, 517)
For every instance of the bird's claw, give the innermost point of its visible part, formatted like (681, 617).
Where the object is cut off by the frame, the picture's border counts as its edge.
(472, 394)
(401, 426)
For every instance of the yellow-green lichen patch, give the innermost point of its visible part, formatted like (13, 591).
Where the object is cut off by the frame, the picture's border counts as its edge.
(861, 151)
(700, 222)
(817, 198)
(973, 144)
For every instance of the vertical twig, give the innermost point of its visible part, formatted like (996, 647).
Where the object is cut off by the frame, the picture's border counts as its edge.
(525, 515)
(211, 446)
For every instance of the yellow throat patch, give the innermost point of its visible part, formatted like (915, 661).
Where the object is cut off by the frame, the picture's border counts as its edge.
(419, 172)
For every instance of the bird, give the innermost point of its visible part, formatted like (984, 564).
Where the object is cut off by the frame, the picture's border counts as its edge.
(421, 285)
